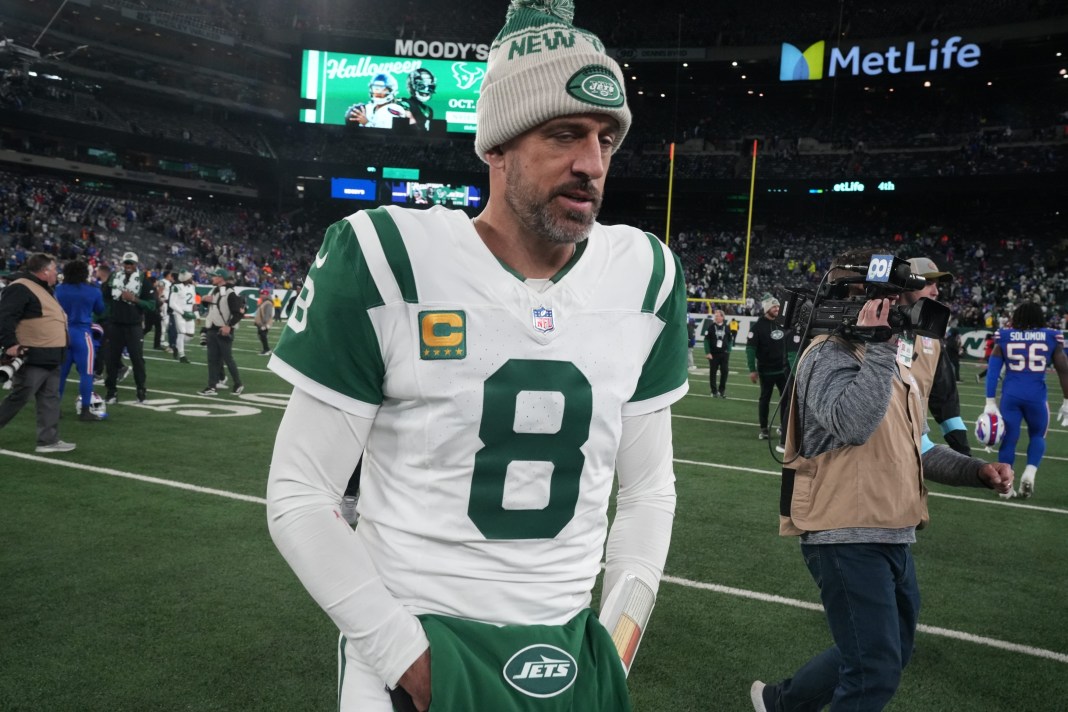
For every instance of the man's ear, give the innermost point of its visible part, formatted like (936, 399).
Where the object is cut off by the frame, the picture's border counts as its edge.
(495, 157)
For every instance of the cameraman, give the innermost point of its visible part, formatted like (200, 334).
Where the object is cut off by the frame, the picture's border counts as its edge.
(943, 399)
(853, 491)
(34, 326)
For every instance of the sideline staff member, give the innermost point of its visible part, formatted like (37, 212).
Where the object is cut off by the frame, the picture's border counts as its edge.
(129, 297)
(855, 496)
(943, 399)
(34, 325)
(224, 314)
(765, 353)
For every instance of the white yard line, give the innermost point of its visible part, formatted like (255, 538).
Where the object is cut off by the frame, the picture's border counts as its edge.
(687, 583)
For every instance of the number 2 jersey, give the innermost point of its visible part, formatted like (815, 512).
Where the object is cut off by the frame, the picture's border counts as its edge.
(1027, 354)
(497, 405)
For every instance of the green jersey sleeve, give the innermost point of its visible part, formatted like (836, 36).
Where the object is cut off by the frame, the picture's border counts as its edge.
(664, 377)
(329, 346)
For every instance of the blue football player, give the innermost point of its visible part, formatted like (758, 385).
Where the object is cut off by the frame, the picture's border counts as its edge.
(1026, 349)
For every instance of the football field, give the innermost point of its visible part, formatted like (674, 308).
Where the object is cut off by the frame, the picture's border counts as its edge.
(136, 573)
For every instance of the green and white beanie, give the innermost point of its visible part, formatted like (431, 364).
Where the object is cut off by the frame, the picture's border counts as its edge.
(540, 67)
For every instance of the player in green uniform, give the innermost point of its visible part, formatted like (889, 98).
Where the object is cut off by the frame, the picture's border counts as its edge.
(497, 375)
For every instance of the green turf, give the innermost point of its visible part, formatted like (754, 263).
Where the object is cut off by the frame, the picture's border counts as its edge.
(125, 594)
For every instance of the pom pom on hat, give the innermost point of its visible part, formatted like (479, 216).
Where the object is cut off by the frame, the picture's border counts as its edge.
(542, 67)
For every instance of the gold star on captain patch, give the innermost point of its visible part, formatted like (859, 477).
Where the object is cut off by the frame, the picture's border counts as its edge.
(426, 352)
(437, 352)
(459, 352)
(448, 352)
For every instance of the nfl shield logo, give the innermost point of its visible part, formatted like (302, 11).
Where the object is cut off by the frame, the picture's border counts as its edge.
(543, 319)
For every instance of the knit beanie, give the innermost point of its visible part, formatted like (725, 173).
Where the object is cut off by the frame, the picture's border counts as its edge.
(768, 302)
(541, 67)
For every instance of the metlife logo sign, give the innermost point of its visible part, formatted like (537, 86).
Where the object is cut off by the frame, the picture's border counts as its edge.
(938, 55)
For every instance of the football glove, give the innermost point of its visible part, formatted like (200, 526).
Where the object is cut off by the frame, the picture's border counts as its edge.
(992, 407)
(1063, 414)
(188, 316)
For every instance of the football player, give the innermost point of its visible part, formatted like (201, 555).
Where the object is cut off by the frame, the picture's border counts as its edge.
(383, 108)
(497, 374)
(81, 301)
(182, 305)
(421, 87)
(1026, 349)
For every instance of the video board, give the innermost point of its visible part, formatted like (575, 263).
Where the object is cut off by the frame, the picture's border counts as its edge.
(353, 189)
(415, 194)
(390, 93)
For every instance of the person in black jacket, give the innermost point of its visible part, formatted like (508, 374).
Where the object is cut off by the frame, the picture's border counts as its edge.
(33, 328)
(944, 400)
(953, 347)
(225, 310)
(129, 296)
(719, 340)
(765, 353)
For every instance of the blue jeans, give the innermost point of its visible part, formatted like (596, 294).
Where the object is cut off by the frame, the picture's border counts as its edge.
(872, 601)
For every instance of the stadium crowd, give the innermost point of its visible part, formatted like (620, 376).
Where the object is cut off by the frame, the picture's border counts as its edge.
(996, 264)
(45, 214)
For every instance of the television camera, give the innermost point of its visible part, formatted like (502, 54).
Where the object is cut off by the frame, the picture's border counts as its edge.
(832, 308)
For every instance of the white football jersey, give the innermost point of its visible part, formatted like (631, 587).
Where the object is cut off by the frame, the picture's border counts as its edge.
(381, 116)
(497, 407)
(183, 299)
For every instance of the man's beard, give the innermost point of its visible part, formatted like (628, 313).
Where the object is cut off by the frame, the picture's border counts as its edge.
(538, 216)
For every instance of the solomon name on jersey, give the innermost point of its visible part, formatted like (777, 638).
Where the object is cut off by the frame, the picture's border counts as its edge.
(498, 405)
(1027, 353)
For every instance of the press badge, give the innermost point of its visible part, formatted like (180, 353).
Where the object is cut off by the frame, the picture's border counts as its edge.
(905, 352)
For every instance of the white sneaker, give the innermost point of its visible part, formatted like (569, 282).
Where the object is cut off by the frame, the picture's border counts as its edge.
(756, 696)
(348, 509)
(781, 449)
(57, 446)
(1027, 485)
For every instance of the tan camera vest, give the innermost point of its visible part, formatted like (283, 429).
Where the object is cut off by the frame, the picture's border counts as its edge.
(50, 329)
(878, 484)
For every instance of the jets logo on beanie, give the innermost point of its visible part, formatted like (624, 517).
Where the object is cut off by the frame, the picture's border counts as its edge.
(542, 67)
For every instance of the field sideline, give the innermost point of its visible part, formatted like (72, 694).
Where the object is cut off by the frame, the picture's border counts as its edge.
(136, 573)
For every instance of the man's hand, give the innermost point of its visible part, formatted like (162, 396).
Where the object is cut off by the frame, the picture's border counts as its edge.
(17, 350)
(1063, 414)
(753, 376)
(416, 679)
(992, 407)
(709, 357)
(997, 476)
(357, 113)
(875, 312)
(128, 296)
(224, 330)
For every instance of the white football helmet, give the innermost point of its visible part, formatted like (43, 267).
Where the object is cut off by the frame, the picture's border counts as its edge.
(97, 406)
(383, 89)
(990, 429)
